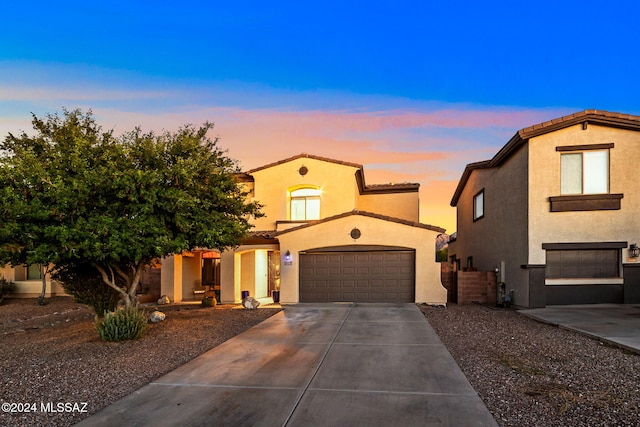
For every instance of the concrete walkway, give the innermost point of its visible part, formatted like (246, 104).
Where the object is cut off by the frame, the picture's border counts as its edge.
(617, 324)
(314, 365)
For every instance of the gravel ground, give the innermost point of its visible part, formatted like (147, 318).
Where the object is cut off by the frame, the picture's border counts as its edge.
(52, 355)
(527, 373)
(533, 374)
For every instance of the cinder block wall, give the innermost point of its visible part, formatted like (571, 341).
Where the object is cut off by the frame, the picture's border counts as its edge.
(477, 286)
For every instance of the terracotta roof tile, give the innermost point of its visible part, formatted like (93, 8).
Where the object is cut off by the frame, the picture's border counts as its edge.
(305, 156)
(263, 234)
(367, 214)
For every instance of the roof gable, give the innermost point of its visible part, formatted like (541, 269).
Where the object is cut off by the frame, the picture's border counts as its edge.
(599, 117)
(305, 156)
(363, 188)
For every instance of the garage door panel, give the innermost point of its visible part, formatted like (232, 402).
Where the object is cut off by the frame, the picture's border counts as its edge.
(377, 283)
(377, 270)
(363, 257)
(362, 283)
(372, 276)
(351, 271)
(347, 284)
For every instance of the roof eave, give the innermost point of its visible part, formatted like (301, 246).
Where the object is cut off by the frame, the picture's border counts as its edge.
(367, 214)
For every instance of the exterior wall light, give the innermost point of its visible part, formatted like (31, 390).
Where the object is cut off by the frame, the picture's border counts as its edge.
(287, 258)
(634, 250)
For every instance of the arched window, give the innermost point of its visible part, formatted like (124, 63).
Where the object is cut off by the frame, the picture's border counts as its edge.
(305, 204)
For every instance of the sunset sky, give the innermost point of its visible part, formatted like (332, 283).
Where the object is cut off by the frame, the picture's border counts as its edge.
(413, 90)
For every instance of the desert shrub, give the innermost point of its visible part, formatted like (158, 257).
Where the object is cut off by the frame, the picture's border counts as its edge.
(6, 287)
(123, 324)
(85, 284)
(209, 302)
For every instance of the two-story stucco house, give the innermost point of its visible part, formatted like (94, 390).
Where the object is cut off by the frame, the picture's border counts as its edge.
(556, 212)
(326, 236)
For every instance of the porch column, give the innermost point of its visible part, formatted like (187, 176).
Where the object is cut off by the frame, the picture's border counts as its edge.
(171, 278)
(227, 278)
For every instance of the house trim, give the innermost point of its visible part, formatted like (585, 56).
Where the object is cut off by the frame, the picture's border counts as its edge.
(585, 202)
(585, 281)
(357, 248)
(584, 147)
(367, 214)
(304, 156)
(404, 187)
(584, 245)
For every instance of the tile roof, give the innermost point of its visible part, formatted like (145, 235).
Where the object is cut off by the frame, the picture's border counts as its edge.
(263, 234)
(305, 156)
(599, 117)
(367, 214)
(392, 187)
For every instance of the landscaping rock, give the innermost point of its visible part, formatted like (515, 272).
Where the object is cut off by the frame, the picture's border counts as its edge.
(157, 317)
(250, 303)
(164, 300)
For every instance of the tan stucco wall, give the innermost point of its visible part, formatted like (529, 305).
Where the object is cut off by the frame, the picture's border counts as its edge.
(8, 273)
(396, 205)
(501, 234)
(191, 275)
(429, 288)
(171, 278)
(248, 272)
(337, 183)
(589, 226)
(239, 272)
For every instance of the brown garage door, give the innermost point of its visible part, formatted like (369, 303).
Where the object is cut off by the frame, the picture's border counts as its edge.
(371, 276)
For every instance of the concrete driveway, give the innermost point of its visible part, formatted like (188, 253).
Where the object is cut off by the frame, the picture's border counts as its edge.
(617, 324)
(314, 365)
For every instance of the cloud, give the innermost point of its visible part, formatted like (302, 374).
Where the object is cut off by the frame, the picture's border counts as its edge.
(397, 140)
(74, 94)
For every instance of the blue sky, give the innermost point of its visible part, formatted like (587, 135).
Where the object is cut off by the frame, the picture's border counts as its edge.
(412, 90)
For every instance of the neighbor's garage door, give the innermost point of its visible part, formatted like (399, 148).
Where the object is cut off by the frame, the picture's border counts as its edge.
(373, 276)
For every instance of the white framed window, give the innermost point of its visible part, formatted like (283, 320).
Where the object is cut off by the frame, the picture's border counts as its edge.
(478, 205)
(305, 204)
(586, 172)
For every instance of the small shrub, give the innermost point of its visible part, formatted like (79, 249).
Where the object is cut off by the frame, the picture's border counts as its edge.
(6, 287)
(209, 302)
(123, 324)
(84, 283)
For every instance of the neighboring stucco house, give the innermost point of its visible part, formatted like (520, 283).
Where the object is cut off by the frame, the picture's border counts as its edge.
(28, 281)
(326, 237)
(556, 211)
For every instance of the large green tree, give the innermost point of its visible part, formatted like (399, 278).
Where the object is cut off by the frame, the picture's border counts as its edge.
(74, 193)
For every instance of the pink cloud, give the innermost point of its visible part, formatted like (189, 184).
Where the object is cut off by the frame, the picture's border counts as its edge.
(385, 141)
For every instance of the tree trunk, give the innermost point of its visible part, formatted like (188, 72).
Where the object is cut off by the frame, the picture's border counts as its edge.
(132, 280)
(43, 275)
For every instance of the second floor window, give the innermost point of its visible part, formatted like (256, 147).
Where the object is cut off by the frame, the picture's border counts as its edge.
(585, 173)
(478, 205)
(305, 204)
